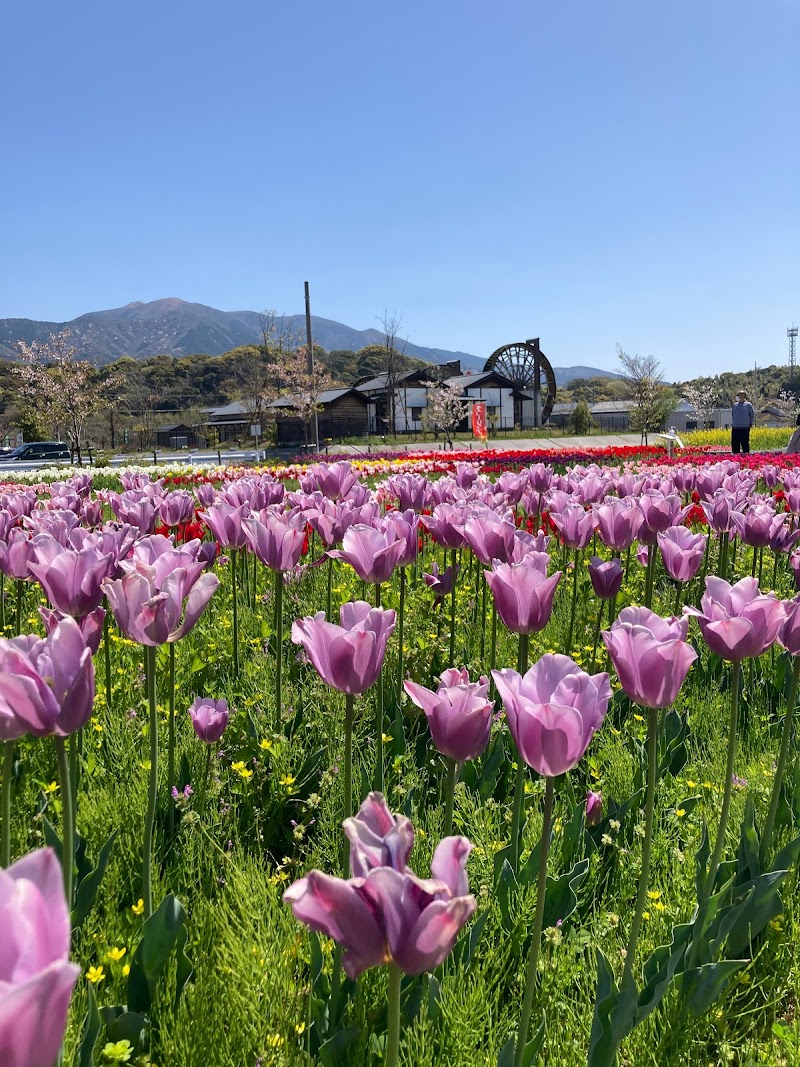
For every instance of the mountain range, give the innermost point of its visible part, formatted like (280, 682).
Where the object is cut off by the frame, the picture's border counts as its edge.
(179, 328)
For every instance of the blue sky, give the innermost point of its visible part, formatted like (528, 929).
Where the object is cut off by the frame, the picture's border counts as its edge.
(590, 173)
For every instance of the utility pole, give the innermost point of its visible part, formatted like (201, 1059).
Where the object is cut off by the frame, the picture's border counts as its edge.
(310, 368)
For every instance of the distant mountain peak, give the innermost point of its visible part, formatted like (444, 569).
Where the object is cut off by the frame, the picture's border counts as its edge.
(176, 327)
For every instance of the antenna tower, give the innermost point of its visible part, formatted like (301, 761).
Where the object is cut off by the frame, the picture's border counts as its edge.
(791, 333)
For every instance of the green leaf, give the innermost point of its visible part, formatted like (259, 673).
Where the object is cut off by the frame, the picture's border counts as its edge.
(561, 897)
(124, 1025)
(88, 887)
(505, 884)
(462, 954)
(84, 1054)
(763, 902)
(787, 857)
(701, 861)
(704, 985)
(163, 933)
(749, 864)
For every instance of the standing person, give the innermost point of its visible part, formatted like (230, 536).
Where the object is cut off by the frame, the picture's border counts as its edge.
(742, 418)
(794, 440)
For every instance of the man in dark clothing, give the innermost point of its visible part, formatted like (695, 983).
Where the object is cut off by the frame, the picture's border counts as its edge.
(742, 418)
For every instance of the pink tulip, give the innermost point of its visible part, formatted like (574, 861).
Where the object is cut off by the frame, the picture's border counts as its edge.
(70, 579)
(329, 518)
(16, 553)
(405, 526)
(388, 915)
(650, 655)
(659, 512)
(523, 595)
(46, 684)
(594, 808)
(618, 523)
(606, 577)
(148, 601)
(176, 508)
(91, 625)
(755, 525)
(553, 711)
(442, 583)
(373, 554)
(209, 718)
(682, 552)
(575, 524)
(333, 480)
(225, 523)
(458, 713)
(378, 838)
(490, 537)
(276, 538)
(135, 509)
(412, 491)
(738, 621)
(347, 657)
(36, 977)
(446, 525)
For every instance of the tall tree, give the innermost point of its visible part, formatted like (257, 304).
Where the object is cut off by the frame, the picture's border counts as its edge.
(652, 400)
(394, 350)
(66, 389)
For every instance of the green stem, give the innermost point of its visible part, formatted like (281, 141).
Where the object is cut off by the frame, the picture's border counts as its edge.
(726, 799)
(206, 779)
(171, 743)
(349, 705)
(483, 615)
(400, 634)
(235, 614)
(5, 799)
(678, 598)
(519, 781)
(452, 658)
(328, 601)
(393, 1004)
(783, 757)
(278, 650)
(150, 818)
(379, 777)
(107, 652)
(596, 639)
(722, 565)
(574, 605)
(649, 576)
(3, 605)
(449, 795)
(644, 876)
(755, 563)
(20, 593)
(533, 956)
(74, 765)
(67, 816)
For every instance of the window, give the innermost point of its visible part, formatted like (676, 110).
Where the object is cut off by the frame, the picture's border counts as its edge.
(416, 414)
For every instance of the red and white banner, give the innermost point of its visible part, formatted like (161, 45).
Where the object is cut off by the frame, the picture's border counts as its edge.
(479, 420)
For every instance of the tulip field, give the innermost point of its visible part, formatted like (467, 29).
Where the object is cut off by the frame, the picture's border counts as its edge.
(424, 760)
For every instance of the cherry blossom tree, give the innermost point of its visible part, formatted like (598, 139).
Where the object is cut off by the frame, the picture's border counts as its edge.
(446, 408)
(66, 389)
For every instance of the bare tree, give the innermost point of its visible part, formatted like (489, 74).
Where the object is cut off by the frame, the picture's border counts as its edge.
(66, 389)
(445, 409)
(652, 400)
(394, 351)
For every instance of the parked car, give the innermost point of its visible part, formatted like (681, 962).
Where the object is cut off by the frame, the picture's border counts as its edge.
(50, 450)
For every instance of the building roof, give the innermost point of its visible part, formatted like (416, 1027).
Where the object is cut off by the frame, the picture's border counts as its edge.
(379, 382)
(326, 397)
(176, 426)
(235, 408)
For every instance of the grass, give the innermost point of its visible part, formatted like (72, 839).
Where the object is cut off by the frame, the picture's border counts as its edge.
(233, 857)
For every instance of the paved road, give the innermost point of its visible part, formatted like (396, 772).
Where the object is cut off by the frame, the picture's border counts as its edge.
(203, 458)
